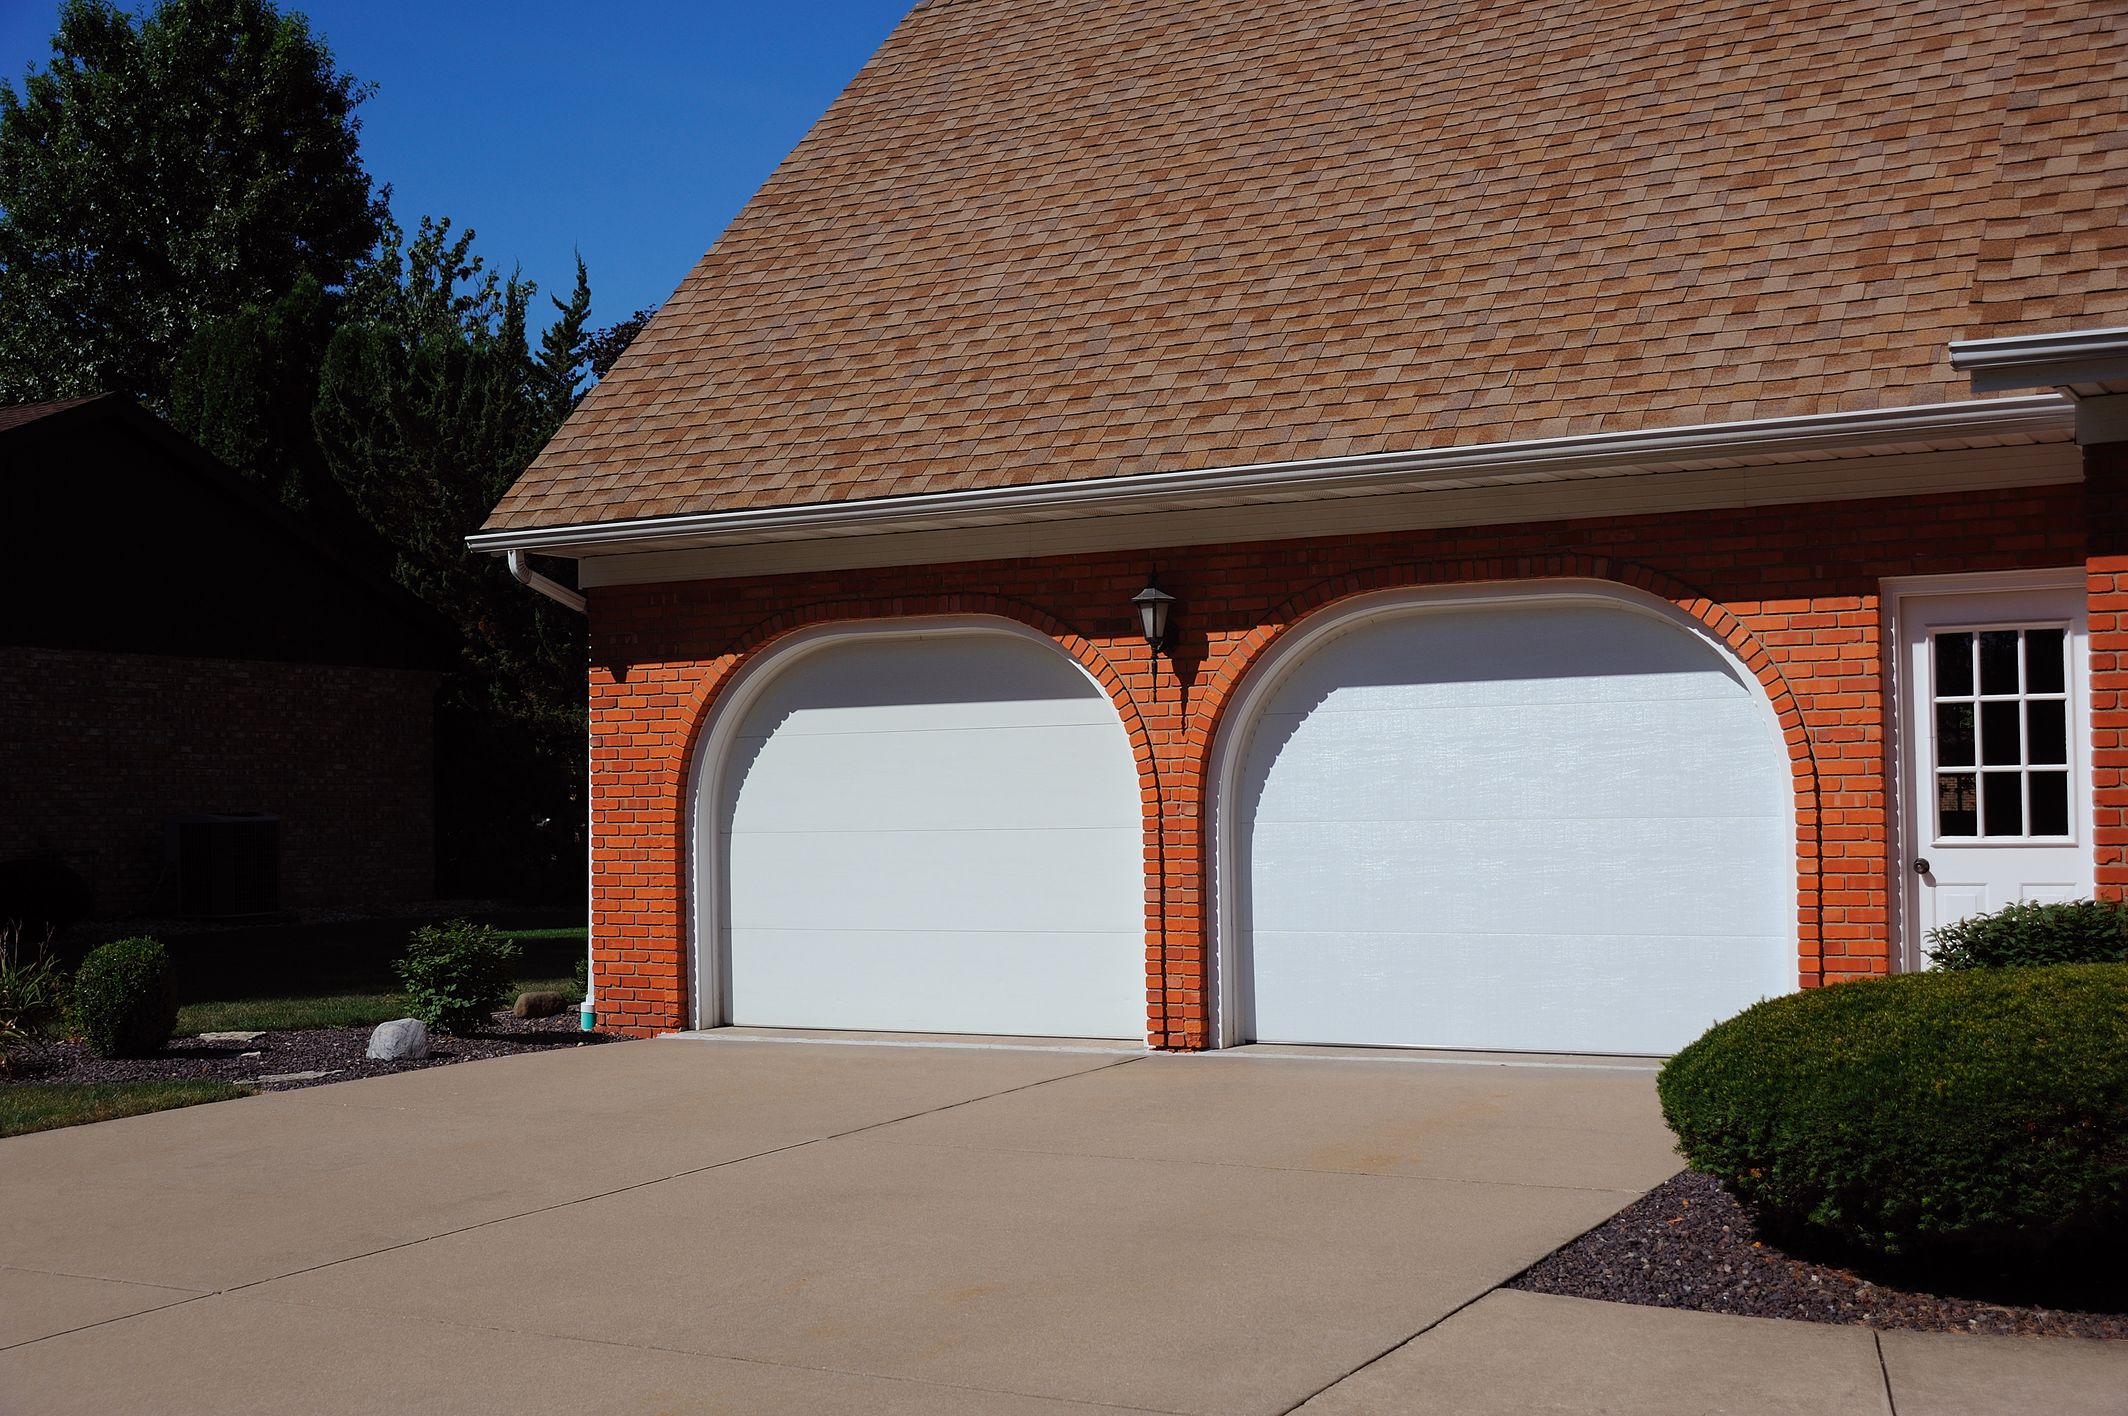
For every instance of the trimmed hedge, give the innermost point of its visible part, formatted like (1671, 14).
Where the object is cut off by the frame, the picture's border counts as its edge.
(2078, 932)
(1930, 1114)
(458, 973)
(125, 998)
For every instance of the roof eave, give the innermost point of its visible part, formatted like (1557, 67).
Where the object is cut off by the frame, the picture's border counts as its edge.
(2093, 360)
(1757, 442)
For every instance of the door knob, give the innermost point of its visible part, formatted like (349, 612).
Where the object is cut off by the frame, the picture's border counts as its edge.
(1921, 865)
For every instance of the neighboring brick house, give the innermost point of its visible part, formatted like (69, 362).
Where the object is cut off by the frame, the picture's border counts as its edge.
(1600, 600)
(180, 657)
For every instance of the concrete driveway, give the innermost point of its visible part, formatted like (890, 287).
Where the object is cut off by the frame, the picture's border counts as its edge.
(758, 1225)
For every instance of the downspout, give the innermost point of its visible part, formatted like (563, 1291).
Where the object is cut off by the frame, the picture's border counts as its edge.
(554, 590)
(587, 1013)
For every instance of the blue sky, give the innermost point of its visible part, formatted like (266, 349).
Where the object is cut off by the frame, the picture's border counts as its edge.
(632, 130)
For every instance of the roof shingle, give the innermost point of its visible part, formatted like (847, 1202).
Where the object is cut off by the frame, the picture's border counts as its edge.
(1043, 240)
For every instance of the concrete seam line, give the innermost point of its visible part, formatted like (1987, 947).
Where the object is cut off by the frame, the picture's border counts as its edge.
(1388, 1351)
(106, 1322)
(1891, 1403)
(1233, 1055)
(643, 1184)
(987, 1096)
(1631, 1193)
(703, 1036)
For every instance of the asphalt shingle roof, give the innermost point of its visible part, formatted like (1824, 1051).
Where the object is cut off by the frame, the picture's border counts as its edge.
(1042, 240)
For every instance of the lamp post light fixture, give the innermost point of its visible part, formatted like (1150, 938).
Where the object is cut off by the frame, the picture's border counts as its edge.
(1153, 606)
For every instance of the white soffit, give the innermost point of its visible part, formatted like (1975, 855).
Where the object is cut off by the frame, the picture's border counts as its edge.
(1998, 442)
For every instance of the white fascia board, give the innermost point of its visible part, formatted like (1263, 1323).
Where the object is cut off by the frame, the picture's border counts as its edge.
(1757, 442)
(2053, 360)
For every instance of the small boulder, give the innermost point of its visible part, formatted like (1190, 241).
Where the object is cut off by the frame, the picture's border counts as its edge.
(539, 1005)
(401, 1040)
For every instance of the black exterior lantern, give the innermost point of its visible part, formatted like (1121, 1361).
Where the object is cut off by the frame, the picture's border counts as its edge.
(1153, 605)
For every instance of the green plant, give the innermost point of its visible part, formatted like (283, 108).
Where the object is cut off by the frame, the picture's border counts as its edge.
(2078, 932)
(33, 990)
(125, 998)
(457, 973)
(1927, 1115)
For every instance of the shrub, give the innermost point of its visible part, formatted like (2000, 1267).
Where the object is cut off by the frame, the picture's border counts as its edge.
(125, 998)
(457, 973)
(1931, 1115)
(2079, 932)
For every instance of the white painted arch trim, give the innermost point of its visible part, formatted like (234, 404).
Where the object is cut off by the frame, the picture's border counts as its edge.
(709, 998)
(1262, 679)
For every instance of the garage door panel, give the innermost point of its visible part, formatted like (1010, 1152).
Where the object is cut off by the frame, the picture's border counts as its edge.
(1672, 759)
(1613, 876)
(919, 684)
(1435, 990)
(1537, 824)
(1462, 659)
(938, 880)
(1046, 984)
(933, 833)
(1060, 776)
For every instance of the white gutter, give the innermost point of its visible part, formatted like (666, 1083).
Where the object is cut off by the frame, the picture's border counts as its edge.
(552, 589)
(2079, 356)
(2030, 417)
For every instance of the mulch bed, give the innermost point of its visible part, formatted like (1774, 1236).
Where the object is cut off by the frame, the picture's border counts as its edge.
(1687, 1244)
(334, 1051)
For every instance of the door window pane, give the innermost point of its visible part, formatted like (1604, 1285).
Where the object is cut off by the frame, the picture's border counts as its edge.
(1998, 661)
(2046, 734)
(1954, 734)
(2000, 705)
(1954, 665)
(2000, 745)
(2044, 661)
(2002, 803)
(2050, 803)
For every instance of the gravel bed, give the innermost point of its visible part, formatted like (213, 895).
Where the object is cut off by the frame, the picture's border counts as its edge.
(1687, 1244)
(334, 1051)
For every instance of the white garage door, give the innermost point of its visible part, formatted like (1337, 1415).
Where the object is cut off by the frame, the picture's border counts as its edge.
(934, 834)
(1559, 825)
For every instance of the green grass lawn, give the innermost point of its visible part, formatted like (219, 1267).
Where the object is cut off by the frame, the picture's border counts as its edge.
(46, 1106)
(325, 1010)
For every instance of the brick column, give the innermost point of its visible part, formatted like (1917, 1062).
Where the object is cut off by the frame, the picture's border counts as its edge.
(2106, 572)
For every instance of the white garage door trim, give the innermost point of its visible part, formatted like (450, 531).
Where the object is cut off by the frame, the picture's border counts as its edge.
(1234, 1021)
(709, 964)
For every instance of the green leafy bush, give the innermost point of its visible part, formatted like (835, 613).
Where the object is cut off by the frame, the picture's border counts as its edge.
(457, 973)
(2079, 932)
(1931, 1115)
(125, 998)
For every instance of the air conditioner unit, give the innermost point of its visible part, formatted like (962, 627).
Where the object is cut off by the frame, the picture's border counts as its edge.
(227, 865)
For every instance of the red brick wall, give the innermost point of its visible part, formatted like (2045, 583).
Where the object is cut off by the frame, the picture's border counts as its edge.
(98, 751)
(2106, 572)
(1794, 589)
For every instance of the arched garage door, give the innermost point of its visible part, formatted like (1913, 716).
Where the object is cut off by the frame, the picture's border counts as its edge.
(1558, 823)
(932, 833)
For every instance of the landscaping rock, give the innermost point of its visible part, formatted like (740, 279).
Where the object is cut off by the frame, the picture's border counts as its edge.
(310, 1076)
(538, 1005)
(403, 1039)
(231, 1036)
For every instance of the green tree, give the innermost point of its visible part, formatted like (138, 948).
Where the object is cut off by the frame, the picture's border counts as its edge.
(431, 400)
(164, 171)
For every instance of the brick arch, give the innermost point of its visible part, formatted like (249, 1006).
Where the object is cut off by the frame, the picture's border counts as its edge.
(767, 637)
(1216, 693)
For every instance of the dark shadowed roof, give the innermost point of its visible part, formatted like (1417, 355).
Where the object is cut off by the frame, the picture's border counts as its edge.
(1048, 240)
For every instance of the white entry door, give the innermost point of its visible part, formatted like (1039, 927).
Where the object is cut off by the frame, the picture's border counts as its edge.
(1997, 752)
